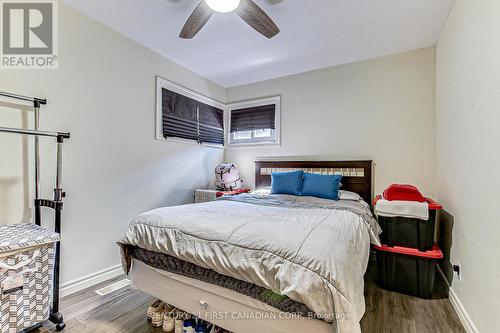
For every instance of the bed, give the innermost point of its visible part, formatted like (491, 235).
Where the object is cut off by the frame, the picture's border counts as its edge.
(258, 262)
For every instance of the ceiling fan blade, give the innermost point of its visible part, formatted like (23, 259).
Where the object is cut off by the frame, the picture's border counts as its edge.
(255, 17)
(196, 21)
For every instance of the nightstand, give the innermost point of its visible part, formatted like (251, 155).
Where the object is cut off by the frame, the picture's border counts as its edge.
(209, 195)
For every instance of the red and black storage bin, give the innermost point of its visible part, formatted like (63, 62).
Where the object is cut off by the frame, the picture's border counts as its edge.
(409, 232)
(407, 270)
(406, 262)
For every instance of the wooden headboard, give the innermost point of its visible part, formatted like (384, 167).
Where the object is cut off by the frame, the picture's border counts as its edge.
(356, 175)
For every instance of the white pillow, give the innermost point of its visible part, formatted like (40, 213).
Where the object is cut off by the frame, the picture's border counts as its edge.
(264, 191)
(348, 195)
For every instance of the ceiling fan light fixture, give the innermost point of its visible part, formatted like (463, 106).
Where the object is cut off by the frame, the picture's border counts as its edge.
(223, 6)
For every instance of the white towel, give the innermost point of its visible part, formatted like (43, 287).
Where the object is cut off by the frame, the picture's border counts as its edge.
(411, 209)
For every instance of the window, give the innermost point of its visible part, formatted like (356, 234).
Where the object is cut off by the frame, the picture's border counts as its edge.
(255, 122)
(185, 115)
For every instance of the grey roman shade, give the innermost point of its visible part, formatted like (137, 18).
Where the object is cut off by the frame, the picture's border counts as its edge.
(211, 120)
(180, 118)
(187, 118)
(254, 118)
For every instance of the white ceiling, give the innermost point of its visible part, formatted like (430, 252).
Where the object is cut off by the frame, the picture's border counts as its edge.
(314, 33)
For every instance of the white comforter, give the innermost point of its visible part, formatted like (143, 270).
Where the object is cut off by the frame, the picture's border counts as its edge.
(316, 256)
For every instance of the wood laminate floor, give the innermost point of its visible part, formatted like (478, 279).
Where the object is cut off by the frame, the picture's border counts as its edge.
(124, 311)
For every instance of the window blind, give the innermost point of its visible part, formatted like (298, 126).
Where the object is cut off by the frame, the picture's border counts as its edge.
(254, 118)
(179, 116)
(211, 120)
(187, 118)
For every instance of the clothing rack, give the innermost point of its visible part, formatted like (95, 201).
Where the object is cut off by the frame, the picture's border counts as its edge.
(55, 317)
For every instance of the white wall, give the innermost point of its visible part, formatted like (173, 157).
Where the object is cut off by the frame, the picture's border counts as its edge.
(15, 171)
(381, 109)
(468, 141)
(104, 94)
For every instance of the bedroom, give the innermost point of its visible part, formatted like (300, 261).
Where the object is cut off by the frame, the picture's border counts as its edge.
(410, 86)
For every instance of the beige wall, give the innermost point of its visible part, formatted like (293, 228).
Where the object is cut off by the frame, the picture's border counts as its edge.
(104, 94)
(468, 141)
(381, 109)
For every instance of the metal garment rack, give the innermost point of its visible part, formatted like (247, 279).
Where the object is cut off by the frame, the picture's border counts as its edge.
(55, 317)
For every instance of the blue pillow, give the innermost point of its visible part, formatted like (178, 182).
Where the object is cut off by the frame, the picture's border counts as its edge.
(286, 182)
(321, 186)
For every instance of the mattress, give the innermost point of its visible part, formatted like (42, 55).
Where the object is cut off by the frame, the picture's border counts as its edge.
(313, 251)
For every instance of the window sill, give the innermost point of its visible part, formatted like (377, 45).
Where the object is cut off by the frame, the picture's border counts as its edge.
(252, 144)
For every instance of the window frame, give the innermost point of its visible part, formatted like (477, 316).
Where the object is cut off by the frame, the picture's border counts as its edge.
(276, 141)
(162, 83)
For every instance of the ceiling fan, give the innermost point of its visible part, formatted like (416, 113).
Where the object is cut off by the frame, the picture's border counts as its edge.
(252, 14)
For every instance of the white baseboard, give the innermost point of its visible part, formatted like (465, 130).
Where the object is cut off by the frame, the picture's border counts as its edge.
(90, 280)
(462, 313)
(459, 308)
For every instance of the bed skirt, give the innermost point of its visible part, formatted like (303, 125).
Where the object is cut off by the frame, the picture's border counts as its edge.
(221, 306)
(177, 266)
